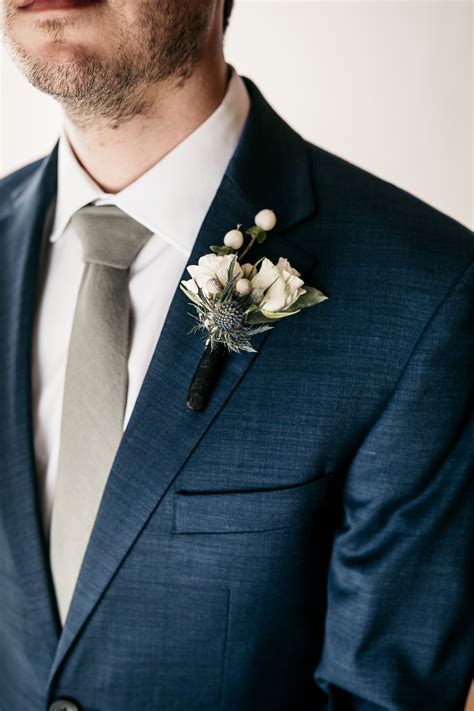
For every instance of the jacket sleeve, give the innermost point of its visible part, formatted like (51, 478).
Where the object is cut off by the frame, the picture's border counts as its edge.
(399, 630)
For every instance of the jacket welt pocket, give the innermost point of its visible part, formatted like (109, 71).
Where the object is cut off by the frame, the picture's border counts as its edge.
(256, 510)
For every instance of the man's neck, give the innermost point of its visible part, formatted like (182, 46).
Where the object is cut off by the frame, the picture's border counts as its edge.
(115, 156)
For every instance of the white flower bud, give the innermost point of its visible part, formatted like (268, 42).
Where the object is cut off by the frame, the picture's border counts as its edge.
(212, 287)
(247, 269)
(266, 220)
(234, 239)
(243, 287)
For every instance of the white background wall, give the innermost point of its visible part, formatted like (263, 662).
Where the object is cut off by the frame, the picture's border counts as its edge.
(387, 85)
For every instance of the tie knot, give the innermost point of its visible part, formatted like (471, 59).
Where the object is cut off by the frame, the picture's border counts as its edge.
(109, 236)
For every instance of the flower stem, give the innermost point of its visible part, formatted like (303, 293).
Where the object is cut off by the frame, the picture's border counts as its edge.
(248, 247)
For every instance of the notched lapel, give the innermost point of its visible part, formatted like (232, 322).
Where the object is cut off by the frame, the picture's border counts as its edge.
(269, 169)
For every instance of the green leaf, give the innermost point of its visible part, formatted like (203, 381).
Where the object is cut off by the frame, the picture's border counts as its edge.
(261, 237)
(230, 270)
(256, 317)
(277, 314)
(191, 295)
(312, 297)
(221, 250)
(255, 231)
(263, 316)
(258, 262)
(265, 291)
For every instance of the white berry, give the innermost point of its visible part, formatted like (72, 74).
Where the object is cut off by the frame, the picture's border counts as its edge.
(234, 239)
(257, 295)
(266, 220)
(213, 287)
(243, 287)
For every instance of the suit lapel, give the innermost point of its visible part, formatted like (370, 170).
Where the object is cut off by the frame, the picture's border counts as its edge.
(270, 168)
(21, 234)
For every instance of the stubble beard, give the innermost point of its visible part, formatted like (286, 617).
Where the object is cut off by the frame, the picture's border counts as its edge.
(163, 45)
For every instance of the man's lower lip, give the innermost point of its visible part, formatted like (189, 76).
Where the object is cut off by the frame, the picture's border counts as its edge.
(43, 5)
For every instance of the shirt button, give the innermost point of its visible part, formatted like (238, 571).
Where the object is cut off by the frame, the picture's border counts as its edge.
(63, 705)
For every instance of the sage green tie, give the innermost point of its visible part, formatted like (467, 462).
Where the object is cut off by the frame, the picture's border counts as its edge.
(95, 389)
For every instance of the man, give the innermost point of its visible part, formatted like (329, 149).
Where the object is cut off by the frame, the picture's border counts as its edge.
(305, 540)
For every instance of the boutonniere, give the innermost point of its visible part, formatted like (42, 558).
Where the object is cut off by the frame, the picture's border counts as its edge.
(234, 300)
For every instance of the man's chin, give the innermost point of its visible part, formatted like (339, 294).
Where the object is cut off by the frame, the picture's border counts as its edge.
(51, 53)
(54, 37)
(62, 73)
(61, 53)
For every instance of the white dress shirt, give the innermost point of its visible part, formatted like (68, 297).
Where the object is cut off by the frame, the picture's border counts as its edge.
(171, 199)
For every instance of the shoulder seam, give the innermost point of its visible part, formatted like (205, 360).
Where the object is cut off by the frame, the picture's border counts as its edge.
(455, 284)
(452, 288)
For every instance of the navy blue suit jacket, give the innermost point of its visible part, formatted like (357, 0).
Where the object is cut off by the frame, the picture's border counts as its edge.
(305, 542)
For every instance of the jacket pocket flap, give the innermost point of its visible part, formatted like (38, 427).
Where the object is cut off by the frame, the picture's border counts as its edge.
(256, 510)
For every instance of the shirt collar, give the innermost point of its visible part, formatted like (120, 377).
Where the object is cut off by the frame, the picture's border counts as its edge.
(173, 196)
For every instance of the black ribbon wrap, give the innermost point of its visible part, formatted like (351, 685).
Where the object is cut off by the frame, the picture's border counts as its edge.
(206, 376)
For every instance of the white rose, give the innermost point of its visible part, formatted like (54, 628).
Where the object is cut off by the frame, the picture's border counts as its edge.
(209, 267)
(286, 285)
(284, 264)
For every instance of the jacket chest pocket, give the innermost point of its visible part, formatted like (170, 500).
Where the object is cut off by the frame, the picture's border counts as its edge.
(240, 511)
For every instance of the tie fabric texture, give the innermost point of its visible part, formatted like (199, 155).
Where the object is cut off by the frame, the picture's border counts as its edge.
(95, 389)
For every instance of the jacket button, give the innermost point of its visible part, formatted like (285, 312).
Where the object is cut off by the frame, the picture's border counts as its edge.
(63, 705)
